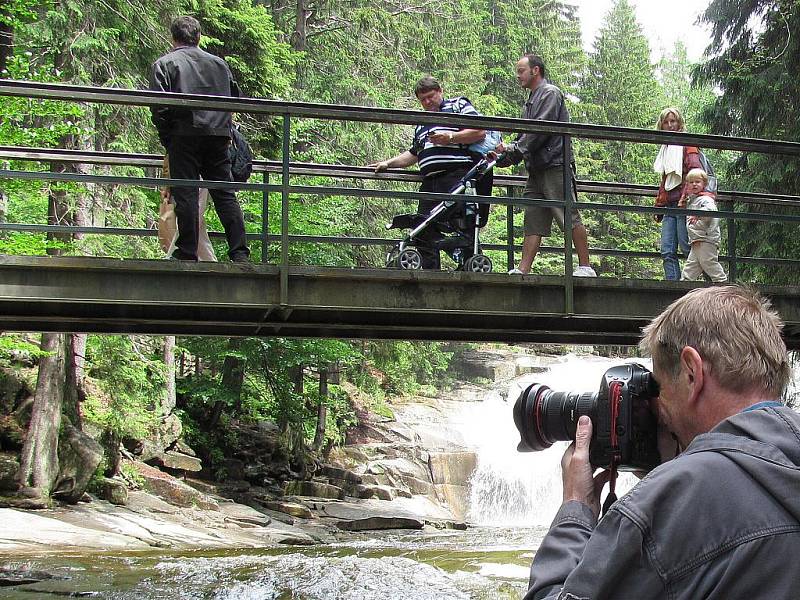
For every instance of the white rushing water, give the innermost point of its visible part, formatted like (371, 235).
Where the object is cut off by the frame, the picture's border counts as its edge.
(523, 489)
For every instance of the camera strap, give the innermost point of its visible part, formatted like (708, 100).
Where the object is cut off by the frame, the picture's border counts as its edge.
(615, 397)
(612, 484)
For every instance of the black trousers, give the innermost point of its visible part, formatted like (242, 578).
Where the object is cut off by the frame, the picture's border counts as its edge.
(206, 156)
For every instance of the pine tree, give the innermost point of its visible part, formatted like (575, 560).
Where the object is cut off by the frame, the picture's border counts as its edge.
(620, 88)
(755, 63)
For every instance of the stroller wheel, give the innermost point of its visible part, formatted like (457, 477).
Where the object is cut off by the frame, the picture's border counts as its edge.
(410, 260)
(478, 263)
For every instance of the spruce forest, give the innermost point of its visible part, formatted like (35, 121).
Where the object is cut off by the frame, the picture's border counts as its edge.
(364, 53)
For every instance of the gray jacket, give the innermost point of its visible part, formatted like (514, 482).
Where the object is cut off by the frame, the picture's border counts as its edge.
(543, 150)
(190, 70)
(721, 521)
(704, 229)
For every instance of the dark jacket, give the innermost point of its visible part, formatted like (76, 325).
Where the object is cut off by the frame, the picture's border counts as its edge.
(721, 521)
(190, 70)
(543, 150)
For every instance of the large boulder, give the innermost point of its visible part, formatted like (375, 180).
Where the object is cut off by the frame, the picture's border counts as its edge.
(483, 364)
(78, 457)
(454, 468)
(177, 461)
(376, 523)
(314, 489)
(115, 491)
(172, 490)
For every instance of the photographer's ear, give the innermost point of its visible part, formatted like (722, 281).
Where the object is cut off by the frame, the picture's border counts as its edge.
(692, 368)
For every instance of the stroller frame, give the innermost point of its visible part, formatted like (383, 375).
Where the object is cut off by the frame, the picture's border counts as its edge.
(403, 256)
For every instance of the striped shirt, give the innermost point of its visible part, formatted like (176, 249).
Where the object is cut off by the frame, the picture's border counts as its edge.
(437, 159)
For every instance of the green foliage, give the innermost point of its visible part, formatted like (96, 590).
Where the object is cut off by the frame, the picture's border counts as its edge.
(16, 344)
(754, 63)
(407, 366)
(131, 377)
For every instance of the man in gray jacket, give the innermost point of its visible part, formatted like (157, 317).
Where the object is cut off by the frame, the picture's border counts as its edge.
(722, 518)
(197, 140)
(544, 158)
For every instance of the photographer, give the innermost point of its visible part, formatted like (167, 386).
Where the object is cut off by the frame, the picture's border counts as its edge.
(721, 519)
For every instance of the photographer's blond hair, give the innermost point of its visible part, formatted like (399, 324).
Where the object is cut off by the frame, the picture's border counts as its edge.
(678, 115)
(735, 331)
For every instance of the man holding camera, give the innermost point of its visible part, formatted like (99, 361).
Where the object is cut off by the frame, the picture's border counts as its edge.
(722, 518)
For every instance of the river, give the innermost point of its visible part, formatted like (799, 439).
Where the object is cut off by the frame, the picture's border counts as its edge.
(513, 498)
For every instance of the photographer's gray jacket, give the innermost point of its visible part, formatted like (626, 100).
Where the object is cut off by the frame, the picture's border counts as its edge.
(543, 150)
(190, 70)
(721, 521)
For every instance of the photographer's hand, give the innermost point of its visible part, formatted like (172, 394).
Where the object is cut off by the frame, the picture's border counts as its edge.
(578, 474)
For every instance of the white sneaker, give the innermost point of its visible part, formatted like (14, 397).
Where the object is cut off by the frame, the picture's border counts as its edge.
(515, 271)
(584, 271)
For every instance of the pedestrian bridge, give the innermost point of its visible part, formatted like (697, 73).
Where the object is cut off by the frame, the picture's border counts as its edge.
(164, 297)
(276, 296)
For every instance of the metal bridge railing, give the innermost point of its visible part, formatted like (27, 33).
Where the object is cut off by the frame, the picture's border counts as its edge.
(286, 171)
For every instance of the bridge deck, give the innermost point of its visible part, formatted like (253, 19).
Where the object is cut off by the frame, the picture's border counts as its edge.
(101, 295)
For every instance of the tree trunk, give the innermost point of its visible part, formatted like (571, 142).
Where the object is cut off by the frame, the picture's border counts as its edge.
(169, 361)
(232, 381)
(74, 390)
(6, 44)
(39, 460)
(322, 409)
(300, 33)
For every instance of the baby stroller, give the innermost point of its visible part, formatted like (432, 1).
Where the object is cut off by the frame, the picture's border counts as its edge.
(451, 226)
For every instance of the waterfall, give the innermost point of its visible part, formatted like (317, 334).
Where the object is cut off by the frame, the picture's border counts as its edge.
(511, 488)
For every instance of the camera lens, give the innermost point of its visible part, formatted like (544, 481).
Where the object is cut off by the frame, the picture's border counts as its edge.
(543, 416)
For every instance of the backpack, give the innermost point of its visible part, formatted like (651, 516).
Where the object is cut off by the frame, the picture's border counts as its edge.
(712, 185)
(241, 156)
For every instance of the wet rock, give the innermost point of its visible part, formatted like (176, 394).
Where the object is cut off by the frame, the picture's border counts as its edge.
(144, 503)
(454, 525)
(243, 515)
(419, 486)
(24, 503)
(12, 577)
(290, 508)
(78, 457)
(9, 466)
(376, 523)
(183, 448)
(454, 497)
(206, 487)
(341, 474)
(313, 488)
(525, 363)
(172, 490)
(483, 364)
(178, 461)
(381, 492)
(115, 491)
(453, 468)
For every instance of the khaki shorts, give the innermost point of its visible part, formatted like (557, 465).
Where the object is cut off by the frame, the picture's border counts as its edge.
(547, 184)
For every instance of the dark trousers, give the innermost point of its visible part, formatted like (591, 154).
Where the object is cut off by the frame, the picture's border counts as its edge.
(206, 156)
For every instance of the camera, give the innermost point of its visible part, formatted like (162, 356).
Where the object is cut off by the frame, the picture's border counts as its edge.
(624, 428)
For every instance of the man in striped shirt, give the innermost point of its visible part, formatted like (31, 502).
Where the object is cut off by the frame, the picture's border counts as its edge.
(442, 152)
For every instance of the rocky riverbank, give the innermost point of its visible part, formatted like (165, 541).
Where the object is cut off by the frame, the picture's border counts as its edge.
(407, 472)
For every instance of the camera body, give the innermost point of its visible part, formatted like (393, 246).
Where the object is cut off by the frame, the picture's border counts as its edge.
(624, 428)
